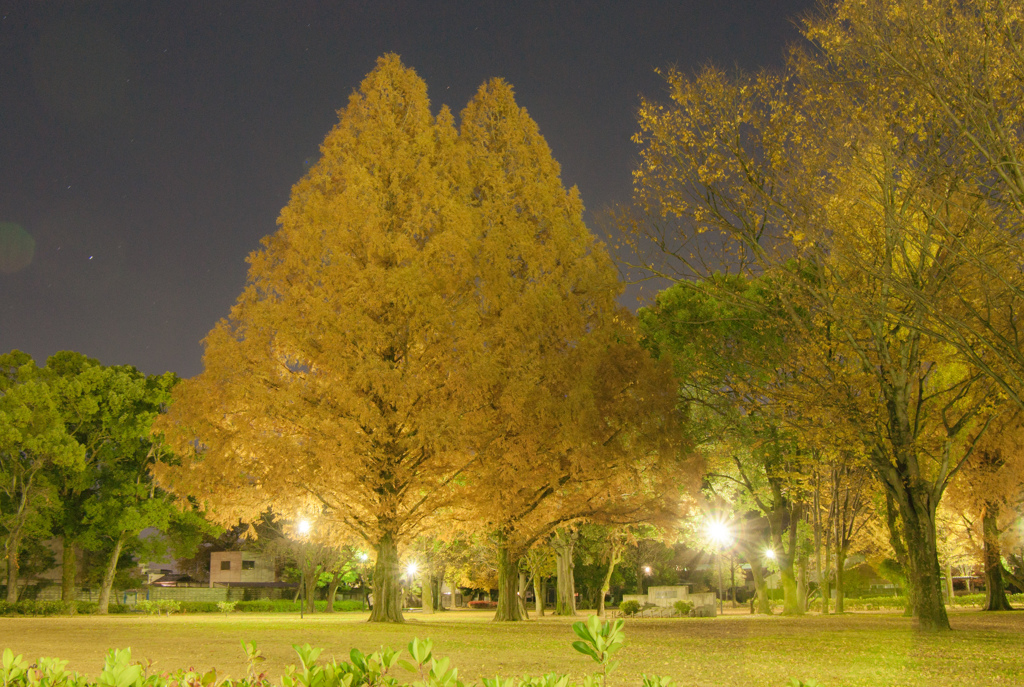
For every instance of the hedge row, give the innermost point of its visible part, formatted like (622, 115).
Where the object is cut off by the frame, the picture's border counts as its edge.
(47, 608)
(32, 607)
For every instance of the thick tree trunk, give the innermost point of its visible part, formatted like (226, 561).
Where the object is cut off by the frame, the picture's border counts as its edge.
(12, 569)
(565, 599)
(108, 574)
(918, 518)
(753, 557)
(899, 547)
(508, 586)
(69, 570)
(387, 603)
(995, 590)
(779, 520)
(540, 592)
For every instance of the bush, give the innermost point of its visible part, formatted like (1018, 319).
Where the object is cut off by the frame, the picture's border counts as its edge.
(87, 606)
(162, 606)
(288, 606)
(198, 606)
(226, 606)
(683, 607)
(629, 607)
(483, 603)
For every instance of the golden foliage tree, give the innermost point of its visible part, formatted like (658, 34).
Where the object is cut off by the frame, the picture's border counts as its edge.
(850, 193)
(334, 386)
(576, 419)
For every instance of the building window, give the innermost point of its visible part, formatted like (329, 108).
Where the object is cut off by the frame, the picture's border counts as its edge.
(248, 565)
(225, 565)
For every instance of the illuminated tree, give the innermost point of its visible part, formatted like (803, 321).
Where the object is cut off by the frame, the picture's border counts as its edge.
(840, 190)
(335, 385)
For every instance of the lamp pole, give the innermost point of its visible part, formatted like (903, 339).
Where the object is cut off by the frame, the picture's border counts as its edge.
(721, 607)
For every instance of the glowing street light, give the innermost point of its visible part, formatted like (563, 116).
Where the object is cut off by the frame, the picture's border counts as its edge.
(364, 557)
(647, 570)
(718, 532)
(769, 553)
(304, 527)
(411, 569)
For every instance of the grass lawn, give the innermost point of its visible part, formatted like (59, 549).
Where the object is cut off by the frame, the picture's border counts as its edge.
(733, 650)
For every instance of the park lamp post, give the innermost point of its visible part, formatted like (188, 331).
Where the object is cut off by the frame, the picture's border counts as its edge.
(303, 529)
(718, 532)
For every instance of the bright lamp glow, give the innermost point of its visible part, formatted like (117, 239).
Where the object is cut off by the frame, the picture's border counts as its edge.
(363, 557)
(303, 527)
(647, 570)
(769, 554)
(411, 569)
(718, 532)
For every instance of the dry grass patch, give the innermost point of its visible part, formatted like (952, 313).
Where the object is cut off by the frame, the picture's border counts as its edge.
(857, 649)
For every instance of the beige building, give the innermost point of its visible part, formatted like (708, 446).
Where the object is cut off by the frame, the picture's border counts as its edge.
(240, 567)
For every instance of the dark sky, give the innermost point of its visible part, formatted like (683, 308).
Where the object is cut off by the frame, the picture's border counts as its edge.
(147, 146)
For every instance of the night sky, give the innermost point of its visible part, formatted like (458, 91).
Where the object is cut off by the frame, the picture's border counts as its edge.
(146, 147)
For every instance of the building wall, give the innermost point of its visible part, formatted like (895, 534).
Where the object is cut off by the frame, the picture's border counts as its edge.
(241, 566)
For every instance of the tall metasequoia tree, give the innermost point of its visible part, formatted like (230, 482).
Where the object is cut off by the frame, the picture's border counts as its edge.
(335, 385)
(575, 418)
(835, 186)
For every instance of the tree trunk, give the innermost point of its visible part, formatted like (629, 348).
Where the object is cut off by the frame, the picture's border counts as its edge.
(521, 595)
(995, 590)
(918, 518)
(732, 579)
(899, 547)
(762, 604)
(332, 591)
(69, 570)
(840, 588)
(565, 599)
(801, 583)
(540, 592)
(108, 574)
(12, 546)
(949, 584)
(387, 604)
(427, 587)
(439, 597)
(508, 585)
(826, 585)
(614, 556)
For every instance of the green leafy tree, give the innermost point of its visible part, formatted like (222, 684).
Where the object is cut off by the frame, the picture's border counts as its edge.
(33, 442)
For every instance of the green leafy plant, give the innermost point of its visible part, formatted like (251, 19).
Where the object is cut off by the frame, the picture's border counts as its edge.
(629, 607)
(600, 641)
(683, 607)
(226, 606)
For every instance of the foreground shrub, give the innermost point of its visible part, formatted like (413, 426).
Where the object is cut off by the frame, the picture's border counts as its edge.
(598, 640)
(683, 607)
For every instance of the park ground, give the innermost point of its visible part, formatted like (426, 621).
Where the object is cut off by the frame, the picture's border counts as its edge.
(734, 650)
